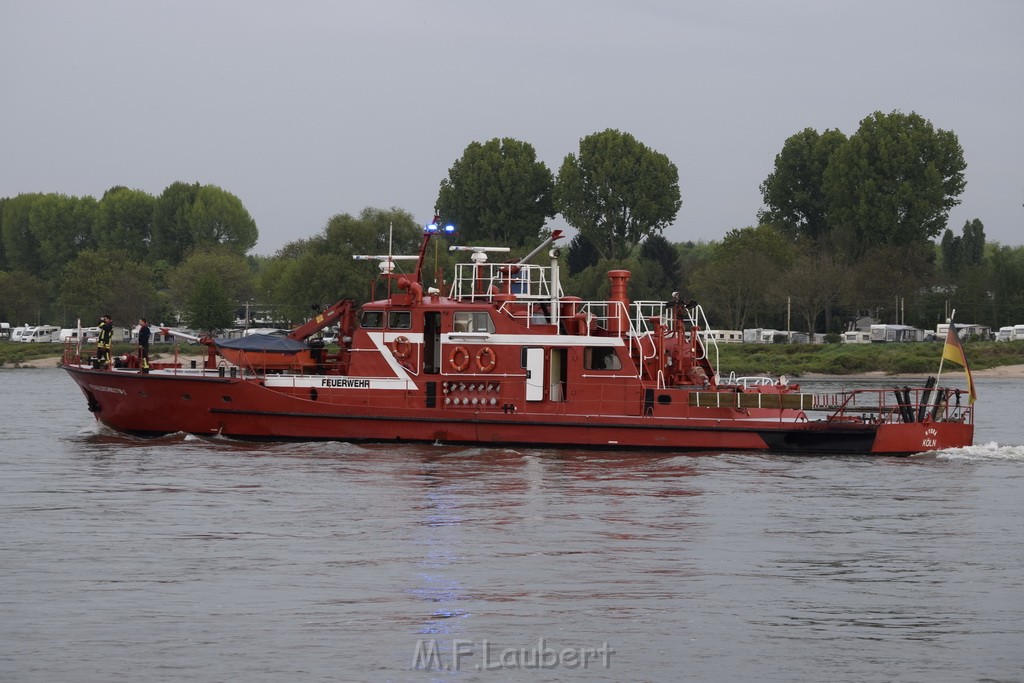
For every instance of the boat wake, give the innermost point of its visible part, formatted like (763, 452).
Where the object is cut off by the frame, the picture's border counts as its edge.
(978, 452)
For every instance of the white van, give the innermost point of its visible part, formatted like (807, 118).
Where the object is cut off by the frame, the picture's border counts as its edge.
(41, 333)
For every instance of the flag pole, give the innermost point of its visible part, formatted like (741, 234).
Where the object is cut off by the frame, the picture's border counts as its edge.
(943, 358)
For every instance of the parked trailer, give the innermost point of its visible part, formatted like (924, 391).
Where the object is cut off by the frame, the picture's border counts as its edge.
(965, 330)
(896, 333)
(725, 336)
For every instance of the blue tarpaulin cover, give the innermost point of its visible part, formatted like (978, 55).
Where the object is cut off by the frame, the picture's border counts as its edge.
(263, 342)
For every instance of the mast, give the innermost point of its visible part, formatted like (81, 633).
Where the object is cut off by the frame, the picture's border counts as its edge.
(942, 360)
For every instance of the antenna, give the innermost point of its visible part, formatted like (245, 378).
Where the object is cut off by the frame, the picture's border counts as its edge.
(387, 261)
(480, 253)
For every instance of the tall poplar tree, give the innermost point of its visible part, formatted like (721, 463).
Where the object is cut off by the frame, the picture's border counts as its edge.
(793, 192)
(617, 191)
(893, 183)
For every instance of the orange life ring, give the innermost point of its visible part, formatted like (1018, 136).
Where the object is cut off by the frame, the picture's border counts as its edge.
(402, 347)
(463, 363)
(491, 356)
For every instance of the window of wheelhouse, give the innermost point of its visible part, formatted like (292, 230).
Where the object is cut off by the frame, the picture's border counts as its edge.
(400, 320)
(601, 358)
(472, 321)
(372, 320)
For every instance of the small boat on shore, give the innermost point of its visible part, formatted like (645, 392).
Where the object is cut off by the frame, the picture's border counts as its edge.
(505, 357)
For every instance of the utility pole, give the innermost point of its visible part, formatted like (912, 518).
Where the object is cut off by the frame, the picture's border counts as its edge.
(789, 327)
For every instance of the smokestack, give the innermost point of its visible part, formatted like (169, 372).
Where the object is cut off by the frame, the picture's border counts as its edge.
(618, 302)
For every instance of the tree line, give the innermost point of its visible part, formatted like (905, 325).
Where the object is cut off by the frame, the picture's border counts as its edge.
(851, 225)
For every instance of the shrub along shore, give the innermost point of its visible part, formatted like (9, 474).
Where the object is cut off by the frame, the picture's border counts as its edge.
(792, 360)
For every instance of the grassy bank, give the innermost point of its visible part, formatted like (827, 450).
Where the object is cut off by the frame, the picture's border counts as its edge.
(848, 359)
(743, 359)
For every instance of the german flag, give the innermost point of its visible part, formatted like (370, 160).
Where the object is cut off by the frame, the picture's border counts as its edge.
(953, 351)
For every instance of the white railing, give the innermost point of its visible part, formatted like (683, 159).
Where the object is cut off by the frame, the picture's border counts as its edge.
(481, 282)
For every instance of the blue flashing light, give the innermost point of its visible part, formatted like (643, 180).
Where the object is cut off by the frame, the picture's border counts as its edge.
(430, 228)
(449, 229)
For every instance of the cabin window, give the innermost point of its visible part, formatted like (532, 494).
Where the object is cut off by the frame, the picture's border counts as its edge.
(372, 320)
(400, 320)
(523, 355)
(472, 321)
(601, 358)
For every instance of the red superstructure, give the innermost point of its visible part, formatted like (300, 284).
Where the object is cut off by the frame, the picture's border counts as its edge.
(506, 358)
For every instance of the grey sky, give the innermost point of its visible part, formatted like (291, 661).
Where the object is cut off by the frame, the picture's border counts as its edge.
(309, 109)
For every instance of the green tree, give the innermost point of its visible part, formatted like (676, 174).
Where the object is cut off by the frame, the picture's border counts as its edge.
(172, 232)
(893, 183)
(373, 231)
(124, 222)
(231, 270)
(97, 282)
(62, 226)
(617, 192)
(3, 251)
(320, 270)
(888, 274)
(217, 217)
(497, 191)
(692, 256)
(950, 247)
(20, 244)
(741, 273)
(814, 284)
(973, 252)
(580, 254)
(659, 251)
(24, 298)
(86, 290)
(1006, 281)
(793, 192)
(209, 307)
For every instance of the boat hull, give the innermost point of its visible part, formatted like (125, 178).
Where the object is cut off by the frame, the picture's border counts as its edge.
(247, 408)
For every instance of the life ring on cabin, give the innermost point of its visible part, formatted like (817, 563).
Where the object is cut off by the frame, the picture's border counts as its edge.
(402, 347)
(491, 357)
(459, 359)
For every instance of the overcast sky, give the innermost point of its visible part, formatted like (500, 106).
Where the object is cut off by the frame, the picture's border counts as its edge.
(307, 109)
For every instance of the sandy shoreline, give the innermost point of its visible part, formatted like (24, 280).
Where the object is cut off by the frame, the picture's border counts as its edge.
(1005, 371)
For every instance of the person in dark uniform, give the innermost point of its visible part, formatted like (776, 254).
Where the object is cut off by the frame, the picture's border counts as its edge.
(144, 333)
(105, 341)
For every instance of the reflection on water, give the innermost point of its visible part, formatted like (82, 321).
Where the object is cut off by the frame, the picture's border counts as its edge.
(214, 559)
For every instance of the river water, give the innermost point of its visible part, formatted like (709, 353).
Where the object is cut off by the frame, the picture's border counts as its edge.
(210, 560)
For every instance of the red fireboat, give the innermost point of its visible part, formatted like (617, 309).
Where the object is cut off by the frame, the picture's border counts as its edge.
(504, 357)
